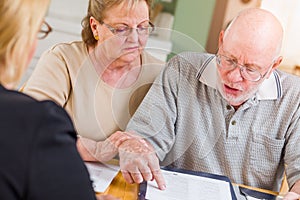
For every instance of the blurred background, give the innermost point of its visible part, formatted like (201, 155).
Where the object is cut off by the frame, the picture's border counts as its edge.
(182, 25)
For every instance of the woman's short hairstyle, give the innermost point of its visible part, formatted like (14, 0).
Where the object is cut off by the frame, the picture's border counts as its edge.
(97, 9)
(19, 24)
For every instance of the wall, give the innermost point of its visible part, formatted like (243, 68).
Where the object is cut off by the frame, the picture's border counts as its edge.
(68, 10)
(224, 12)
(235, 6)
(191, 24)
(288, 14)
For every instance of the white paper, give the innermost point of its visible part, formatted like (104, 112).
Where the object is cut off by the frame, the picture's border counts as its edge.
(101, 175)
(251, 198)
(188, 187)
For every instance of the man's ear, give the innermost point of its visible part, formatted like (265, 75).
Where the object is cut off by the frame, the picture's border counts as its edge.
(275, 65)
(221, 36)
(277, 62)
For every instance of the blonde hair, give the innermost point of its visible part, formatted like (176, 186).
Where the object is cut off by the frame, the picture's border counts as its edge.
(97, 9)
(19, 24)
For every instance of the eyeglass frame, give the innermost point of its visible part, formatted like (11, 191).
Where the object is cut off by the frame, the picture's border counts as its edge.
(44, 32)
(128, 30)
(242, 67)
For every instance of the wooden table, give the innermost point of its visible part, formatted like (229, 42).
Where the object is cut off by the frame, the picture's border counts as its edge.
(121, 189)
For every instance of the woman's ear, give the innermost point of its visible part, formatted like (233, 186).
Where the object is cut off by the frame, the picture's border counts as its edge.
(93, 23)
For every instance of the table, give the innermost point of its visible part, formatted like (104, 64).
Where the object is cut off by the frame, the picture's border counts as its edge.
(119, 188)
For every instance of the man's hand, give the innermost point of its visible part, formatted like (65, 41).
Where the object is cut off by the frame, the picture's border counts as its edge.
(138, 162)
(102, 151)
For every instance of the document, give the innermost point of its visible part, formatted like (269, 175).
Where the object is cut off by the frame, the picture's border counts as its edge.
(181, 186)
(101, 174)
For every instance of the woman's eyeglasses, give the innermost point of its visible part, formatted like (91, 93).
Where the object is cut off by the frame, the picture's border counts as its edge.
(126, 30)
(44, 31)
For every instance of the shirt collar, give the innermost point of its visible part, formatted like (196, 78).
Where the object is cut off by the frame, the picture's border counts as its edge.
(270, 88)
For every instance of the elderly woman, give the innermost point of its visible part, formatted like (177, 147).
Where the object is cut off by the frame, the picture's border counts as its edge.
(101, 80)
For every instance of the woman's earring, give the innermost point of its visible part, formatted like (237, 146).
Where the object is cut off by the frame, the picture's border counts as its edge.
(96, 37)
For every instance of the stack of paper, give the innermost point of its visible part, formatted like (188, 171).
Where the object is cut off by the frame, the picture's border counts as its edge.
(190, 187)
(101, 174)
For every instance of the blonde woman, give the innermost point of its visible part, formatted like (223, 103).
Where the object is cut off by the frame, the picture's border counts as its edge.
(102, 79)
(38, 154)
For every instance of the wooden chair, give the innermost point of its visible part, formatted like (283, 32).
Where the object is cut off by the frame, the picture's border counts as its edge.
(284, 186)
(296, 70)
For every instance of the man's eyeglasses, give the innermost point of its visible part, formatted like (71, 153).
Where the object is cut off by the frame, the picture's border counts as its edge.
(44, 31)
(248, 73)
(126, 30)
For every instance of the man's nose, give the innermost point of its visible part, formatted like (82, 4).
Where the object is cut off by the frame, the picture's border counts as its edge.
(235, 75)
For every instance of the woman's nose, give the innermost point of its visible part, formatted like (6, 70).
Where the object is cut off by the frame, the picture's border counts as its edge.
(133, 35)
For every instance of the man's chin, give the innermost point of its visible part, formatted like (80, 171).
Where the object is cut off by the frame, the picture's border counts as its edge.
(235, 104)
(234, 101)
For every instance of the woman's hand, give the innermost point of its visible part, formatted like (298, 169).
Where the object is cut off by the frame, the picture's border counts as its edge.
(83, 151)
(102, 151)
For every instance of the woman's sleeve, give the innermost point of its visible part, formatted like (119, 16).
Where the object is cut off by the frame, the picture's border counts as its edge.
(56, 168)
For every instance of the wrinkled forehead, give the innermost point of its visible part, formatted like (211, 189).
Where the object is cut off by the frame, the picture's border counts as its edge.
(259, 43)
(249, 53)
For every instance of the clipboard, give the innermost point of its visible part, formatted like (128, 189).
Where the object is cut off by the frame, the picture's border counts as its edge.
(143, 185)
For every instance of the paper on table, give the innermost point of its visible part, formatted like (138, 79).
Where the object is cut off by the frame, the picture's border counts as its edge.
(101, 175)
(251, 198)
(185, 186)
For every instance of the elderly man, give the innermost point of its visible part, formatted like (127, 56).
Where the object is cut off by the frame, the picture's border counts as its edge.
(232, 113)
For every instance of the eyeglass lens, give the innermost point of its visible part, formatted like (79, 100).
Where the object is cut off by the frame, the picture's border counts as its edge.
(44, 30)
(246, 72)
(125, 30)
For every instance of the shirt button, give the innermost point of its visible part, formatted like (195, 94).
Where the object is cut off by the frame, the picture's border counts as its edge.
(228, 107)
(233, 122)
